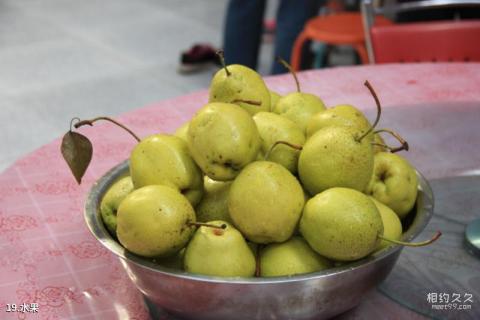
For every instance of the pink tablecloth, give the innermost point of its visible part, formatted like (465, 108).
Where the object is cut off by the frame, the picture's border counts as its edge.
(48, 256)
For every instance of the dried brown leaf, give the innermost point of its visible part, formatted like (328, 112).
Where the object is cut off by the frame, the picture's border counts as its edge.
(77, 151)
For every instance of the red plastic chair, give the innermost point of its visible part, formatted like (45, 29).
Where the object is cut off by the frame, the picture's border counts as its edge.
(344, 28)
(427, 41)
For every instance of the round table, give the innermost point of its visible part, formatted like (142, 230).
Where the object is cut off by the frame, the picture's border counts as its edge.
(48, 257)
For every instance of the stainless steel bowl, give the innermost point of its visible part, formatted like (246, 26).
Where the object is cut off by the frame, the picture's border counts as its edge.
(311, 296)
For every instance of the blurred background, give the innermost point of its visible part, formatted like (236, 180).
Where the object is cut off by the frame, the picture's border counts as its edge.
(66, 58)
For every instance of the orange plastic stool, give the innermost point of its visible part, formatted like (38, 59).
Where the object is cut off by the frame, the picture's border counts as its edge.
(343, 28)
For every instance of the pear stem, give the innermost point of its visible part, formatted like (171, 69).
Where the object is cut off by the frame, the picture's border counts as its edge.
(379, 110)
(413, 244)
(71, 122)
(209, 225)
(91, 121)
(289, 68)
(258, 266)
(252, 102)
(382, 145)
(404, 143)
(221, 56)
(294, 146)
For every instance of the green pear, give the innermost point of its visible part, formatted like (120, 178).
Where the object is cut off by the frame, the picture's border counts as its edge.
(214, 204)
(265, 202)
(236, 83)
(219, 252)
(182, 131)
(347, 116)
(223, 138)
(273, 128)
(341, 224)
(340, 115)
(392, 227)
(394, 183)
(112, 199)
(274, 97)
(289, 258)
(336, 157)
(155, 221)
(299, 107)
(164, 159)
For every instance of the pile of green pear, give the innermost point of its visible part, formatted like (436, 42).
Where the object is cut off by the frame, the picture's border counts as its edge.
(258, 184)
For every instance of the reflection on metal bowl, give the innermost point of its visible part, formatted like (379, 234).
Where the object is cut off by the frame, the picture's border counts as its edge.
(310, 296)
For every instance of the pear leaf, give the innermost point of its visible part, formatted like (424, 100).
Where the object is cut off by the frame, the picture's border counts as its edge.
(77, 151)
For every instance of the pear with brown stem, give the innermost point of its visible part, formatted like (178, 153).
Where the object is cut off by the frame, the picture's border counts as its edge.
(158, 159)
(341, 115)
(156, 221)
(219, 252)
(223, 139)
(298, 106)
(272, 128)
(339, 156)
(240, 85)
(345, 225)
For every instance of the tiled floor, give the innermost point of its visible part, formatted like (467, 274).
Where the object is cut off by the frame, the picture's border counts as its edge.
(65, 58)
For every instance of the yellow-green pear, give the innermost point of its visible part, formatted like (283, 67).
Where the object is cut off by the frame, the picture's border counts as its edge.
(223, 138)
(392, 227)
(299, 107)
(274, 97)
(182, 131)
(111, 201)
(340, 115)
(219, 252)
(272, 128)
(155, 221)
(394, 183)
(336, 157)
(341, 224)
(239, 84)
(164, 159)
(265, 202)
(289, 258)
(214, 204)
